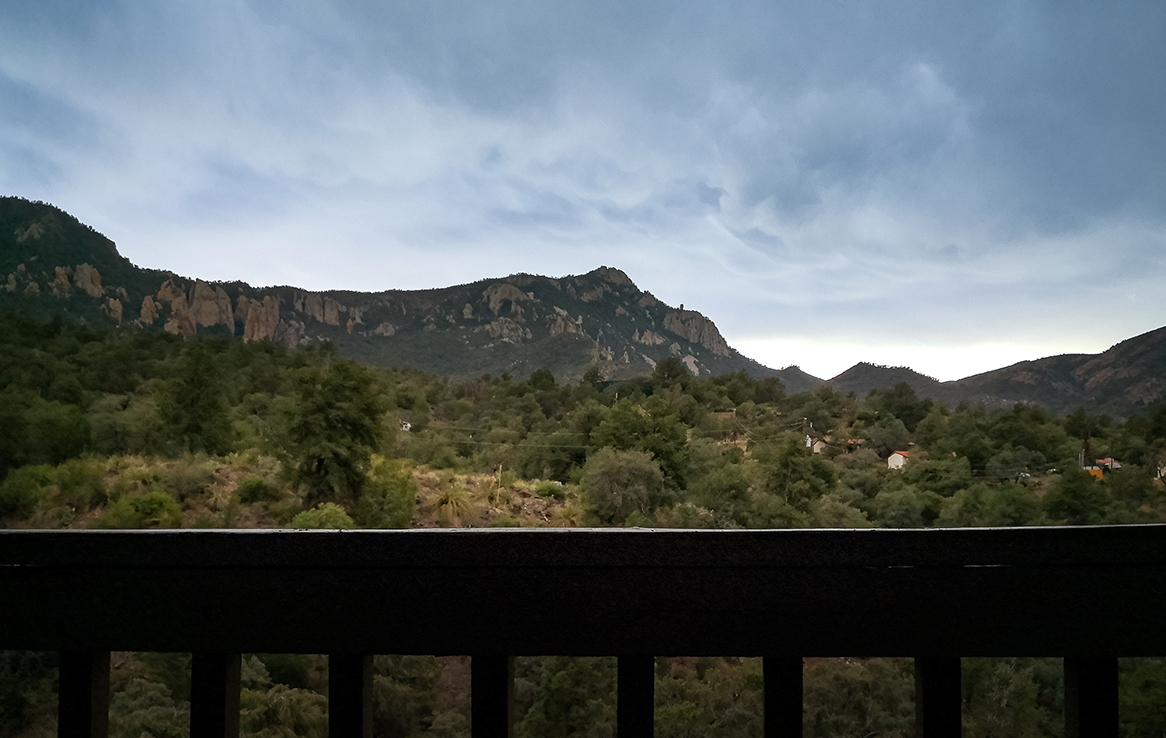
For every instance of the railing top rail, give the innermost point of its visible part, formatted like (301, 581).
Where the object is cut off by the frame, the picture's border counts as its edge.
(589, 547)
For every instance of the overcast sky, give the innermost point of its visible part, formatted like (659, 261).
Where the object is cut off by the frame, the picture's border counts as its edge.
(949, 186)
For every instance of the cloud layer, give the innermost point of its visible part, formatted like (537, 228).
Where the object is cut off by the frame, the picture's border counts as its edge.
(813, 175)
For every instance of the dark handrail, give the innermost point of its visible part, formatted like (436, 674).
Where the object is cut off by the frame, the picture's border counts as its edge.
(1085, 593)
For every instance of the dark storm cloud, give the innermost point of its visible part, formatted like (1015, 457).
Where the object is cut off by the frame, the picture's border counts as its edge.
(857, 159)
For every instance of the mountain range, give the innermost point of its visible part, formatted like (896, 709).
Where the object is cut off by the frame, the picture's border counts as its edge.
(52, 265)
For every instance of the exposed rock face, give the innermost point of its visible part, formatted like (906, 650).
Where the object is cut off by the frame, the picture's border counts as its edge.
(500, 292)
(313, 305)
(332, 310)
(615, 276)
(242, 305)
(169, 292)
(34, 231)
(114, 308)
(181, 324)
(61, 284)
(11, 286)
(561, 323)
(648, 338)
(32, 288)
(149, 311)
(211, 306)
(385, 329)
(1146, 392)
(87, 279)
(289, 333)
(468, 311)
(674, 349)
(696, 328)
(262, 318)
(356, 317)
(507, 330)
(690, 362)
(647, 300)
(318, 307)
(181, 321)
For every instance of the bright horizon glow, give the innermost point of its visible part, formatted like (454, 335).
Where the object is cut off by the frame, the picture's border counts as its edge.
(827, 359)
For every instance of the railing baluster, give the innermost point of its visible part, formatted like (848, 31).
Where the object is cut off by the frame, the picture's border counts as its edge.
(1091, 698)
(635, 697)
(783, 696)
(349, 696)
(491, 696)
(214, 694)
(83, 695)
(938, 701)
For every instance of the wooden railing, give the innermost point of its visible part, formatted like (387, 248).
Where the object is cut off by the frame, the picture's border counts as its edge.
(1088, 595)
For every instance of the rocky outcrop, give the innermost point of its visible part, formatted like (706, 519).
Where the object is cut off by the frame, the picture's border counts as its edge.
(11, 286)
(690, 362)
(169, 292)
(332, 310)
(61, 284)
(647, 301)
(34, 231)
(318, 307)
(497, 294)
(561, 323)
(211, 306)
(289, 333)
(149, 311)
(507, 330)
(385, 329)
(695, 328)
(88, 280)
(613, 275)
(355, 318)
(648, 338)
(113, 306)
(32, 288)
(262, 318)
(181, 323)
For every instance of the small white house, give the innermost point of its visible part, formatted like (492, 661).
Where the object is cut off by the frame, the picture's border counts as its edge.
(818, 446)
(897, 460)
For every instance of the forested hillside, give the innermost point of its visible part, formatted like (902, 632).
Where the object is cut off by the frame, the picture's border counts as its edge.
(149, 430)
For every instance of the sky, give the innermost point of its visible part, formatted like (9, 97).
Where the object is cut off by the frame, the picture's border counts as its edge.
(948, 186)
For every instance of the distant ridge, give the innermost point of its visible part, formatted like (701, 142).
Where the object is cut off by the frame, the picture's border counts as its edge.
(864, 377)
(1120, 381)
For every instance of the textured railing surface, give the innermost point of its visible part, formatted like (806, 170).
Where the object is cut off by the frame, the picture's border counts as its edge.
(1089, 595)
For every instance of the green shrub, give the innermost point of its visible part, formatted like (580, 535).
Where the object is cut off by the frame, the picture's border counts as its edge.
(82, 483)
(325, 515)
(618, 483)
(188, 478)
(257, 489)
(389, 495)
(551, 489)
(155, 509)
(23, 489)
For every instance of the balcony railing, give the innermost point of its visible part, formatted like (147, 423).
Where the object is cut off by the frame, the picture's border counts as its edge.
(1088, 595)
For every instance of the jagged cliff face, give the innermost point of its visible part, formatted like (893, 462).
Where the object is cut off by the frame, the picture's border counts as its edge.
(54, 265)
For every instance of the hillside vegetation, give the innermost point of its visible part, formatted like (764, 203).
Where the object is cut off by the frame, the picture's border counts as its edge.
(149, 430)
